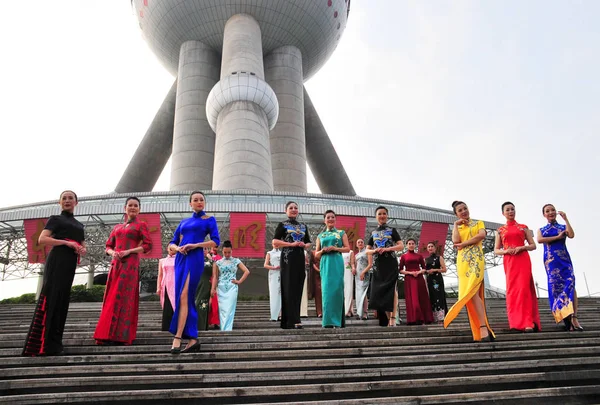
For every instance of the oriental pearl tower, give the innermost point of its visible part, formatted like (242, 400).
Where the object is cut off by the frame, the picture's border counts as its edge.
(238, 116)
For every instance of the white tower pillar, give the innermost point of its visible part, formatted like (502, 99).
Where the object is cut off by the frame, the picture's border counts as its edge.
(241, 109)
(283, 72)
(193, 139)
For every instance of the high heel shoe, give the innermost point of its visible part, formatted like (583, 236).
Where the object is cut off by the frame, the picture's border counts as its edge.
(195, 348)
(489, 338)
(176, 350)
(577, 327)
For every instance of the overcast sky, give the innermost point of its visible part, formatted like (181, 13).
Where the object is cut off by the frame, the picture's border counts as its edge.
(426, 102)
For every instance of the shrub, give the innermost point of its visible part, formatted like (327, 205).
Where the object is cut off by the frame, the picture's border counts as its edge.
(23, 299)
(80, 293)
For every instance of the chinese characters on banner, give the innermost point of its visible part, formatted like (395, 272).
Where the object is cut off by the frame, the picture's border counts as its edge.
(247, 234)
(153, 223)
(354, 228)
(36, 253)
(433, 232)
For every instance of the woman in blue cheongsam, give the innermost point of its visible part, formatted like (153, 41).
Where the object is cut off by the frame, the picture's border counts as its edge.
(559, 268)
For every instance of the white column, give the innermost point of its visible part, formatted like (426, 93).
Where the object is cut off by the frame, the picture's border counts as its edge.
(241, 109)
(193, 140)
(40, 282)
(283, 72)
(90, 280)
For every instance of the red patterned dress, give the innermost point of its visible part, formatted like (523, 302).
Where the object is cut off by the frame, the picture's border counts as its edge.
(119, 316)
(521, 301)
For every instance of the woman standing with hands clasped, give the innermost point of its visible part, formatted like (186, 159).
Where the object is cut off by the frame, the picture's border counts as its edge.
(412, 266)
(383, 245)
(292, 238)
(521, 301)
(331, 243)
(119, 315)
(559, 268)
(189, 265)
(65, 235)
(467, 237)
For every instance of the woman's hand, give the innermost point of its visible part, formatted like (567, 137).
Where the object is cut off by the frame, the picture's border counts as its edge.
(185, 249)
(563, 215)
(362, 275)
(212, 292)
(381, 251)
(116, 255)
(459, 246)
(461, 222)
(235, 281)
(125, 253)
(509, 251)
(73, 245)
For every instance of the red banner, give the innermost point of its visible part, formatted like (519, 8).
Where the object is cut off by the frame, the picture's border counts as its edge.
(247, 232)
(153, 222)
(433, 232)
(353, 226)
(36, 253)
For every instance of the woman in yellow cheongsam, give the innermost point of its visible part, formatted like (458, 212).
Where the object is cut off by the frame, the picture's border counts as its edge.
(467, 236)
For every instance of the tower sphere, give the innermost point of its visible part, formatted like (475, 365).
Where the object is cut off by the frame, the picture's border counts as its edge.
(313, 26)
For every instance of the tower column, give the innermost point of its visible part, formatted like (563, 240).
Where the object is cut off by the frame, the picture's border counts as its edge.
(283, 72)
(154, 151)
(193, 140)
(241, 109)
(323, 160)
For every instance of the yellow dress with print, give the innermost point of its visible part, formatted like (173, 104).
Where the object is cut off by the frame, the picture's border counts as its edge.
(470, 266)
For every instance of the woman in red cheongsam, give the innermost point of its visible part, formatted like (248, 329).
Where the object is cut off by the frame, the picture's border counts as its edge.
(521, 301)
(119, 316)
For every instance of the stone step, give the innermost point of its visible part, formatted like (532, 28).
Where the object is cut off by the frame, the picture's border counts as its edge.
(259, 363)
(107, 381)
(337, 390)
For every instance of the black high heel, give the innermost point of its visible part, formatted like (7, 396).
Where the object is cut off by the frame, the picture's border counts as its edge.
(176, 350)
(195, 348)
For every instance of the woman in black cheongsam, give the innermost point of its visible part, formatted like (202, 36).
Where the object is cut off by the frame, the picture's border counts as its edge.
(383, 245)
(65, 235)
(292, 238)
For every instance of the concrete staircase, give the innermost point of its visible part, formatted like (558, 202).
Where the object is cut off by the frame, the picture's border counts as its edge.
(259, 363)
